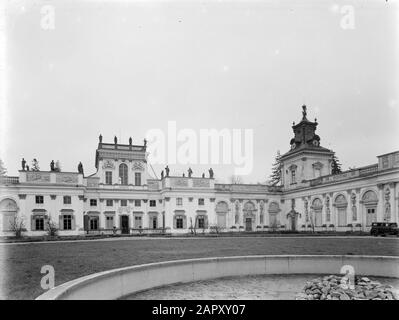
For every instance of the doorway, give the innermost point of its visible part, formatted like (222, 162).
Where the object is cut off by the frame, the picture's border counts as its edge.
(248, 224)
(125, 224)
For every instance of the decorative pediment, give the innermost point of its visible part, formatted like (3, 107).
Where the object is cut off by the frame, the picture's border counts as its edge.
(317, 165)
(274, 207)
(340, 201)
(8, 205)
(108, 164)
(138, 166)
(317, 204)
(370, 197)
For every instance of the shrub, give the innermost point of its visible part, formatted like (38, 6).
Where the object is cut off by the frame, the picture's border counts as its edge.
(51, 228)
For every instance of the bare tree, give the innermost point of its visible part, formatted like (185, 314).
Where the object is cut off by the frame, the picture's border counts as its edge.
(17, 226)
(193, 228)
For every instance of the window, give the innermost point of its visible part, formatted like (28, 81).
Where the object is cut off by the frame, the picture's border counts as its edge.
(123, 173)
(179, 222)
(39, 223)
(293, 176)
(179, 201)
(110, 203)
(137, 179)
(39, 199)
(109, 222)
(154, 222)
(67, 200)
(93, 202)
(108, 177)
(261, 219)
(93, 223)
(201, 222)
(67, 222)
(124, 203)
(153, 203)
(201, 201)
(138, 222)
(137, 203)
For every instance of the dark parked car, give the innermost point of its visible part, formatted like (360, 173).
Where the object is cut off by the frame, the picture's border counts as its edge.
(384, 228)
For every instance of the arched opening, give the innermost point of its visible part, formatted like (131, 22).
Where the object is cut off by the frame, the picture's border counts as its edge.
(341, 204)
(8, 213)
(370, 202)
(317, 207)
(274, 210)
(123, 173)
(249, 215)
(221, 213)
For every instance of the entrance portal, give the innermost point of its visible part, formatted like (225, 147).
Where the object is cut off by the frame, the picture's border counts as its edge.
(125, 224)
(248, 224)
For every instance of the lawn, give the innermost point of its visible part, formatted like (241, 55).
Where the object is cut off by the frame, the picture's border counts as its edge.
(21, 263)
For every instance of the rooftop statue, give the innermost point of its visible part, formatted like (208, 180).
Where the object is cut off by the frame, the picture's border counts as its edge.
(80, 167)
(115, 140)
(167, 171)
(162, 174)
(211, 173)
(23, 162)
(304, 112)
(130, 141)
(190, 172)
(100, 138)
(52, 165)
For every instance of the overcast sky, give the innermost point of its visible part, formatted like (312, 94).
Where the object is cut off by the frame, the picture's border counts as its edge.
(123, 68)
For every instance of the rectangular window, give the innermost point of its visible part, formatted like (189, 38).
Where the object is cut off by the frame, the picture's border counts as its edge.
(201, 222)
(67, 221)
(109, 221)
(39, 223)
(137, 179)
(138, 222)
(293, 176)
(137, 203)
(93, 223)
(108, 177)
(39, 199)
(179, 201)
(201, 201)
(124, 203)
(179, 223)
(93, 202)
(153, 203)
(67, 200)
(110, 203)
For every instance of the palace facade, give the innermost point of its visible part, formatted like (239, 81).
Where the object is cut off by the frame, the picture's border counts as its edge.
(123, 198)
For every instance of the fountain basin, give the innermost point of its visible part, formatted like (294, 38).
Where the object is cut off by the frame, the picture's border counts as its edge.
(122, 282)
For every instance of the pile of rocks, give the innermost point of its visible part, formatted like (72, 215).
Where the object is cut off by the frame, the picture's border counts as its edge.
(335, 287)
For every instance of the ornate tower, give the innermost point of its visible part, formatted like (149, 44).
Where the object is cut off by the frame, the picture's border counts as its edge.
(307, 159)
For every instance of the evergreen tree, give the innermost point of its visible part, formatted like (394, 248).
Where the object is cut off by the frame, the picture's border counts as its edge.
(335, 165)
(3, 169)
(275, 177)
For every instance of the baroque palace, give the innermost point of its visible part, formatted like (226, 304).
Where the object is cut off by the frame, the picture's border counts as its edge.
(122, 197)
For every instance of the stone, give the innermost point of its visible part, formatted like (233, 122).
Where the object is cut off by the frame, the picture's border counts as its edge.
(344, 297)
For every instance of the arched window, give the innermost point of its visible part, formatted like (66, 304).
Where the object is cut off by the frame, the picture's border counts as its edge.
(123, 173)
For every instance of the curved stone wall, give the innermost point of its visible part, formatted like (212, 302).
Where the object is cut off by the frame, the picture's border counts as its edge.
(117, 283)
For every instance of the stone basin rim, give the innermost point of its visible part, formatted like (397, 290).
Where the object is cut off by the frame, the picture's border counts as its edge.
(62, 291)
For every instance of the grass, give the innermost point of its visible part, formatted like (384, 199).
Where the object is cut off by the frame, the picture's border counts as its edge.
(21, 263)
